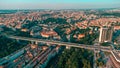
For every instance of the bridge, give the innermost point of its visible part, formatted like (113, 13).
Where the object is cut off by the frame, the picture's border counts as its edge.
(90, 47)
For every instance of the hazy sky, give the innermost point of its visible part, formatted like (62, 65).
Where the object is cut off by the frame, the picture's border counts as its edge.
(58, 4)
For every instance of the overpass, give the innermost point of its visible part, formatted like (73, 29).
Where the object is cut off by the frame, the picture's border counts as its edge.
(90, 47)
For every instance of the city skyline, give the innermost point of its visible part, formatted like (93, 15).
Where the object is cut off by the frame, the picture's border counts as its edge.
(58, 4)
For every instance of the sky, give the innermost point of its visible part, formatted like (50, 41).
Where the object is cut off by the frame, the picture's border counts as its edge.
(58, 4)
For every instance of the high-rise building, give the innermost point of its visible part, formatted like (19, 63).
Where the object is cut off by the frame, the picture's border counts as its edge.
(106, 34)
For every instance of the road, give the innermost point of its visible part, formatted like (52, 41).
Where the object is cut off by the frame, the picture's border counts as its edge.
(90, 47)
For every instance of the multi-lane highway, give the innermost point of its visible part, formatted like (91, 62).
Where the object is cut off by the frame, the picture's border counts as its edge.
(90, 47)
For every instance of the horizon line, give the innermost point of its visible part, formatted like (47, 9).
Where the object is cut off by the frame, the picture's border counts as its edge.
(56, 9)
